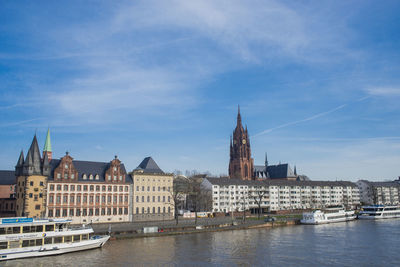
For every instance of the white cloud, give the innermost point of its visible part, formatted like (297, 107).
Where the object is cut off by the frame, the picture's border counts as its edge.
(384, 91)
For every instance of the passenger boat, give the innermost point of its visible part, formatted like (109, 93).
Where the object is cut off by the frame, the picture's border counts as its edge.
(329, 215)
(28, 237)
(379, 212)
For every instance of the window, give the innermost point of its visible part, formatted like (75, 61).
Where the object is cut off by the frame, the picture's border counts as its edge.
(84, 199)
(41, 183)
(120, 199)
(65, 187)
(125, 211)
(137, 198)
(84, 177)
(97, 187)
(72, 176)
(142, 198)
(137, 188)
(57, 212)
(50, 214)
(121, 189)
(79, 188)
(91, 177)
(109, 177)
(109, 199)
(51, 187)
(158, 198)
(84, 212)
(91, 199)
(71, 199)
(37, 207)
(66, 166)
(92, 188)
(59, 175)
(78, 212)
(97, 177)
(137, 210)
(58, 199)
(115, 199)
(66, 175)
(120, 211)
(85, 188)
(97, 199)
(65, 199)
(78, 199)
(58, 187)
(154, 198)
(148, 198)
(72, 187)
(51, 199)
(103, 199)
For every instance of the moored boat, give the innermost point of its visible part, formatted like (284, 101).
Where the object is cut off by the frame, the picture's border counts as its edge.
(329, 215)
(28, 237)
(374, 212)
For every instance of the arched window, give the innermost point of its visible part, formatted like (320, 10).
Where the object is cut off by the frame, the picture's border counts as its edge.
(91, 177)
(97, 177)
(246, 170)
(84, 177)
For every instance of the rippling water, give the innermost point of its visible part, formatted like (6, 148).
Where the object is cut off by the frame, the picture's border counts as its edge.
(358, 243)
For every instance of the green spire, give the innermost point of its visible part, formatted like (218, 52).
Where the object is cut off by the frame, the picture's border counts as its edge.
(47, 144)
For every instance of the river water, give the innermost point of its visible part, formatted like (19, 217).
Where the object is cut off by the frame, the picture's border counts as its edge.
(357, 243)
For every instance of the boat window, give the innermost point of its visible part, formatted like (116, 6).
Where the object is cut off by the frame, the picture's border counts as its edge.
(68, 239)
(57, 239)
(85, 237)
(16, 230)
(3, 245)
(48, 240)
(2, 231)
(14, 244)
(39, 242)
(49, 227)
(9, 230)
(77, 238)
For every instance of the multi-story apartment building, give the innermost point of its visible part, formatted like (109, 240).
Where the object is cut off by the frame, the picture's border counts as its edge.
(381, 193)
(274, 195)
(152, 192)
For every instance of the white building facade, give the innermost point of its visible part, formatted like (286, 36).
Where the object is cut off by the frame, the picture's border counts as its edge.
(278, 195)
(379, 193)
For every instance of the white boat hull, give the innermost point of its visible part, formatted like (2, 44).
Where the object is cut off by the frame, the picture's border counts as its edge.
(328, 221)
(367, 217)
(52, 249)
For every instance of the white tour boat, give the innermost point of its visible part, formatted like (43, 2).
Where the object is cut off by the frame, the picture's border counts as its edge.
(379, 212)
(27, 237)
(329, 215)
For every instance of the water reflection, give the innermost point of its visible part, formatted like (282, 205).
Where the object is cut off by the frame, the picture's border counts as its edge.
(361, 243)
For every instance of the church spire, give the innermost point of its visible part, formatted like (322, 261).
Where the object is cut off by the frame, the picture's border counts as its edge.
(47, 147)
(266, 160)
(295, 171)
(33, 161)
(239, 118)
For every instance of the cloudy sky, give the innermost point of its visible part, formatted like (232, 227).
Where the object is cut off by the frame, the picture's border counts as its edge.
(318, 82)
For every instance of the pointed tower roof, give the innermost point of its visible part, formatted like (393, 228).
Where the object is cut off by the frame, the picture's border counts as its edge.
(47, 144)
(239, 117)
(266, 160)
(149, 165)
(33, 159)
(295, 171)
(21, 159)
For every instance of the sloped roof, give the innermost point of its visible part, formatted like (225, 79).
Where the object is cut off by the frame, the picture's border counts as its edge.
(7, 177)
(279, 171)
(88, 167)
(276, 182)
(148, 165)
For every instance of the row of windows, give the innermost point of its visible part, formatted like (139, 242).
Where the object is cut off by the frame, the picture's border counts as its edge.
(153, 198)
(154, 188)
(90, 188)
(91, 199)
(87, 212)
(41, 241)
(150, 179)
(143, 210)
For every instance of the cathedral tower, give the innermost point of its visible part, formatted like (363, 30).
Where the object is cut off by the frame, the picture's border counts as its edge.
(241, 164)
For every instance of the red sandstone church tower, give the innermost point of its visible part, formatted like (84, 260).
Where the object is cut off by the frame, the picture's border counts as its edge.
(241, 164)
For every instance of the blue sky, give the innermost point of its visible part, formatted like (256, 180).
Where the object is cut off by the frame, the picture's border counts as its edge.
(317, 81)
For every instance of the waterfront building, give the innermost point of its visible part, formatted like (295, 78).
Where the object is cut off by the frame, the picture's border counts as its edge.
(152, 192)
(379, 193)
(7, 193)
(82, 191)
(279, 195)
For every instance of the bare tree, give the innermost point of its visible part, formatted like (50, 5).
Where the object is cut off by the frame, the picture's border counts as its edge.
(200, 198)
(257, 195)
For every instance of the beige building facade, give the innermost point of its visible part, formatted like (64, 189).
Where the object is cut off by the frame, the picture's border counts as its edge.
(152, 193)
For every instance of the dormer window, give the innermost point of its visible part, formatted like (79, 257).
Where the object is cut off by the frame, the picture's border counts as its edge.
(120, 177)
(66, 166)
(84, 177)
(115, 169)
(72, 176)
(109, 177)
(59, 175)
(115, 177)
(91, 177)
(65, 175)
(97, 177)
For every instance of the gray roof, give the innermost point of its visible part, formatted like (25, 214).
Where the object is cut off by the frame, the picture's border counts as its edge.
(382, 184)
(88, 167)
(7, 177)
(148, 165)
(274, 171)
(227, 181)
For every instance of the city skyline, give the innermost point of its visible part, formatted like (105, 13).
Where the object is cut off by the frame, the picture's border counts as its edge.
(317, 84)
